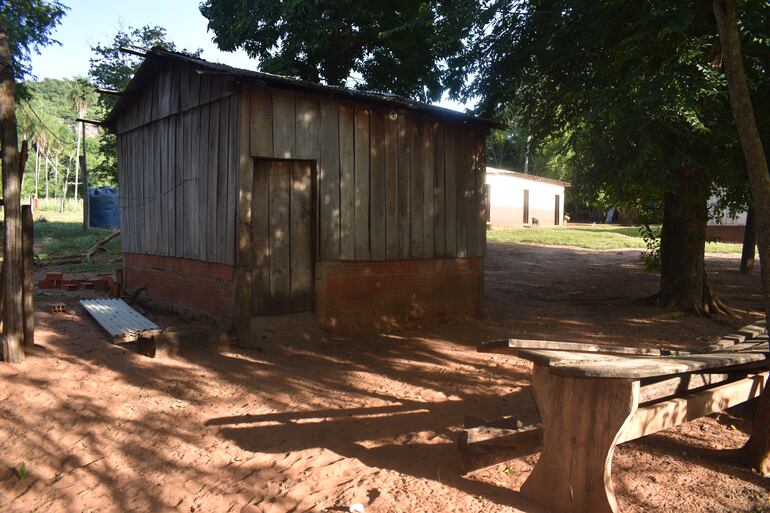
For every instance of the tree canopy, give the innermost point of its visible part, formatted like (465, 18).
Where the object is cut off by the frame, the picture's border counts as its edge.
(29, 24)
(401, 46)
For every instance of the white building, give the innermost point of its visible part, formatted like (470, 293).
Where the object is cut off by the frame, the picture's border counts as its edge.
(517, 199)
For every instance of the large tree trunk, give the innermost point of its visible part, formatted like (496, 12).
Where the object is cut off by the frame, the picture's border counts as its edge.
(13, 314)
(684, 283)
(758, 446)
(683, 239)
(749, 242)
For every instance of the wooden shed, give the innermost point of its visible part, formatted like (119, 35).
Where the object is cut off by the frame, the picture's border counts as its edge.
(247, 194)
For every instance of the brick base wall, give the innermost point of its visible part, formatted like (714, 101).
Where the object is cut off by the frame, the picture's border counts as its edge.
(726, 233)
(205, 287)
(359, 295)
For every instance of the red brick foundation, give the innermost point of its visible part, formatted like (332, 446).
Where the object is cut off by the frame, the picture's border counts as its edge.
(359, 295)
(726, 233)
(205, 287)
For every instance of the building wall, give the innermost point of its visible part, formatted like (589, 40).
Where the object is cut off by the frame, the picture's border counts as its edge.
(359, 295)
(177, 167)
(206, 287)
(391, 185)
(506, 202)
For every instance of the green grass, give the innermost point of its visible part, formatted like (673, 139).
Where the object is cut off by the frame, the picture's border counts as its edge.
(589, 237)
(61, 234)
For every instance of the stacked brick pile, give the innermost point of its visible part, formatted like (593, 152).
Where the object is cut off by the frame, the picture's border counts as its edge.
(55, 280)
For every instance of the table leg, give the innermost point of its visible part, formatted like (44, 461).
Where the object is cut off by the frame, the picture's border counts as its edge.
(582, 420)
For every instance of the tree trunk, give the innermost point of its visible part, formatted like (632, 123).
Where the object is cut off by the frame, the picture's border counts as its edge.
(749, 242)
(46, 178)
(13, 312)
(683, 239)
(64, 187)
(37, 167)
(77, 163)
(84, 168)
(758, 446)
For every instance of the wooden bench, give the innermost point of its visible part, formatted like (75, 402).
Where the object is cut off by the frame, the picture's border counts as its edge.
(592, 398)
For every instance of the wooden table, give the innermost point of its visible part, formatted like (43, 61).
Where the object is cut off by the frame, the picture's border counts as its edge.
(589, 403)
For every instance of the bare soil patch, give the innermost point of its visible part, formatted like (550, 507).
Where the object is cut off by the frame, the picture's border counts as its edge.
(314, 422)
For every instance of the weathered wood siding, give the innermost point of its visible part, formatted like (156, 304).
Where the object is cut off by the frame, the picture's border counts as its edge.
(178, 166)
(392, 184)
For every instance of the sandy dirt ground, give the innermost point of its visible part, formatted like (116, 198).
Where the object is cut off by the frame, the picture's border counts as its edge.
(314, 422)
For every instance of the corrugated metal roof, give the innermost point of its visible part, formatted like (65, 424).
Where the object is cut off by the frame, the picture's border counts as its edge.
(117, 318)
(157, 53)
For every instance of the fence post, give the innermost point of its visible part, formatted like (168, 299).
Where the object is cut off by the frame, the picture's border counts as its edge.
(27, 240)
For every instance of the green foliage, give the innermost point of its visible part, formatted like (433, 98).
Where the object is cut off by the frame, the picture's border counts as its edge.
(47, 120)
(651, 257)
(113, 69)
(22, 471)
(401, 46)
(29, 24)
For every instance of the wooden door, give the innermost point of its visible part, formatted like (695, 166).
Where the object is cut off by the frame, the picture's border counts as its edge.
(282, 226)
(556, 211)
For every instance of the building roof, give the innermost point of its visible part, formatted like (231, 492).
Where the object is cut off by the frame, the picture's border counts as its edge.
(524, 176)
(157, 54)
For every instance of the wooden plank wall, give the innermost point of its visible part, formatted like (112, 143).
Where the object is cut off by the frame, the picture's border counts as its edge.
(391, 184)
(178, 166)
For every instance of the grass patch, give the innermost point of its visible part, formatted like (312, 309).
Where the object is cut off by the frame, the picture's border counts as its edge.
(61, 234)
(589, 237)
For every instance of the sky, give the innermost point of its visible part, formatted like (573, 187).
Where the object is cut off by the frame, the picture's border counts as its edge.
(88, 22)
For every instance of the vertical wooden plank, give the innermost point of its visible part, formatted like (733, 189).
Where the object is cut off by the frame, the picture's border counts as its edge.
(180, 174)
(283, 124)
(158, 187)
(280, 238)
(261, 122)
(192, 143)
(301, 226)
(307, 123)
(163, 144)
(428, 241)
(201, 170)
(211, 181)
(472, 210)
(416, 188)
(390, 150)
(377, 184)
(221, 183)
(451, 170)
(463, 171)
(170, 192)
(439, 188)
(404, 179)
(175, 92)
(244, 261)
(148, 169)
(361, 179)
(347, 182)
(231, 221)
(329, 181)
(481, 195)
(259, 263)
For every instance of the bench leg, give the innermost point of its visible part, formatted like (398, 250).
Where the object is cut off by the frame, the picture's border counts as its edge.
(582, 421)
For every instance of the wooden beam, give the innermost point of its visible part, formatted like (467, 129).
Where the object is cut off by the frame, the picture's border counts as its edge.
(133, 51)
(667, 414)
(27, 239)
(514, 345)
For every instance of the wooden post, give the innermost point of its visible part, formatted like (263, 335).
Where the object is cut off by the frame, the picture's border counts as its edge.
(27, 239)
(86, 213)
(749, 243)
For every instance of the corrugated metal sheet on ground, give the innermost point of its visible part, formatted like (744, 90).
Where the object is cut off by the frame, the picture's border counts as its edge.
(120, 320)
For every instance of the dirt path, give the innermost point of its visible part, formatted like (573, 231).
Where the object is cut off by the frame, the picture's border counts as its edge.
(317, 423)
